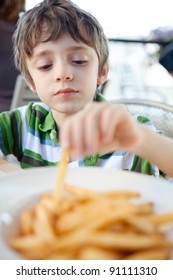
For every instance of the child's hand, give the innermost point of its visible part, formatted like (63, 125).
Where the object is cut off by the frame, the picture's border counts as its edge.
(100, 127)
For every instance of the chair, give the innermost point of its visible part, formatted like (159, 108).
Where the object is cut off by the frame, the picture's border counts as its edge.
(159, 113)
(22, 94)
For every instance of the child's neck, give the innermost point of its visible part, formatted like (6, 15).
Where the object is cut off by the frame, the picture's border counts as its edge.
(59, 118)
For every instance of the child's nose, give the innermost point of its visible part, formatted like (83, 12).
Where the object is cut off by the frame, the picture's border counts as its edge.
(63, 78)
(62, 73)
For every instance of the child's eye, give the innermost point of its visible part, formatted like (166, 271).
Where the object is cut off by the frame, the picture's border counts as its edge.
(45, 67)
(80, 62)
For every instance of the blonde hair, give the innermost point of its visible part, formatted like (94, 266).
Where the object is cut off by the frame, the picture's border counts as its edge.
(50, 19)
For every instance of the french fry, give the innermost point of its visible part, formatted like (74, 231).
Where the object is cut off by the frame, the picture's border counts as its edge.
(101, 214)
(107, 194)
(42, 223)
(62, 168)
(161, 219)
(26, 221)
(30, 245)
(79, 191)
(118, 241)
(142, 224)
(61, 256)
(96, 253)
(150, 254)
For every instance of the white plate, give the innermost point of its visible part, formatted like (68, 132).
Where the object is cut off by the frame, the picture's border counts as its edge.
(18, 190)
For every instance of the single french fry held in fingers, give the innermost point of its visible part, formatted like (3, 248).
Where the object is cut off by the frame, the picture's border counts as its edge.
(62, 168)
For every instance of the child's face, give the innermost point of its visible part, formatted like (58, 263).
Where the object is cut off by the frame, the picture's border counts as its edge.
(65, 74)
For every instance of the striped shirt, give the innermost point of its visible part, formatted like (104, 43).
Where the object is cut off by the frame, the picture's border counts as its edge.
(30, 134)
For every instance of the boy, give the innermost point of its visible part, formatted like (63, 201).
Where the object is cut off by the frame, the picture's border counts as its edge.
(62, 52)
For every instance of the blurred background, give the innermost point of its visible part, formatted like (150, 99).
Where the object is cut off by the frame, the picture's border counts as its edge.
(139, 30)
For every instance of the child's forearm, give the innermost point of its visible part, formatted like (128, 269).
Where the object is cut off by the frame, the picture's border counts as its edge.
(157, 149)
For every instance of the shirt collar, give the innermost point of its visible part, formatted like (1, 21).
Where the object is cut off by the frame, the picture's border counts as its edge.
(48, 123)
(100, 97)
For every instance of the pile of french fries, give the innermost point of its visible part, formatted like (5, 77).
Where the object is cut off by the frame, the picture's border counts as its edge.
(82, 224)
(90, 225)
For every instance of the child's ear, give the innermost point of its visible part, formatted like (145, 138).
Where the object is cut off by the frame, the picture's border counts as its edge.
(102, 77)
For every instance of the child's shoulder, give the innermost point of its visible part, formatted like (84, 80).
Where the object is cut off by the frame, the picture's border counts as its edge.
(36, 113)
(33, 109)
(37, 107)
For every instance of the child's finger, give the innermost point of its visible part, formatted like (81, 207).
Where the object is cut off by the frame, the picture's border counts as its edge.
(116, 118)
(77, 132)
(92, 133)
(108, 124)
(65, 134)
(93, 126)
